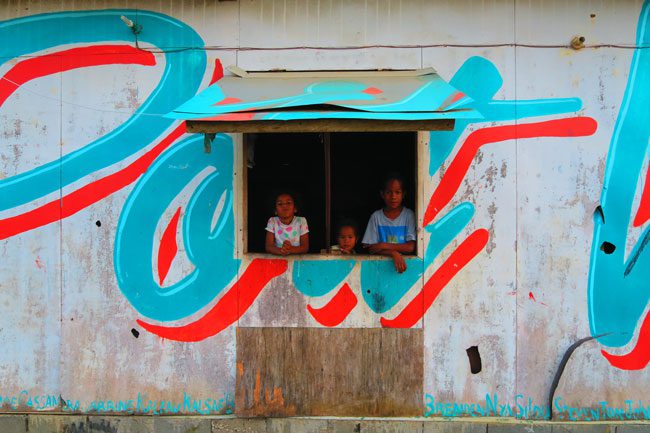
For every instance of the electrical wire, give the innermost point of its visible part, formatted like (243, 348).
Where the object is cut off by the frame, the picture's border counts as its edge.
(307, 47)
(363, 47)
(74, 104)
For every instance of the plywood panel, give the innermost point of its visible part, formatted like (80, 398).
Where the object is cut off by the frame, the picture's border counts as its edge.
(342, 372)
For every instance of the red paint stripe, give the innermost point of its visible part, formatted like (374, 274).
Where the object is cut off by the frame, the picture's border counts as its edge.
(232, 305)
(101, 188)
(232, 117)
(66, 60)
(462, 255)
(168, 246)
(639, 357)
(450, 182)
(457, 97)
(217, 73)
(372, 91)
(643, 213)
(337, 309)
(87, 194)
(227, 101)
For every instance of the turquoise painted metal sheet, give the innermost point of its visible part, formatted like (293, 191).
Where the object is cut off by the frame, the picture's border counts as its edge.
(417, 97)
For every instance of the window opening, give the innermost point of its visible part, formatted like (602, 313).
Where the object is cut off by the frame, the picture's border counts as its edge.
(360, 163)
(333, 177)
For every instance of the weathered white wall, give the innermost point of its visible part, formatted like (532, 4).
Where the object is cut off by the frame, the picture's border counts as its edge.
(65, 326)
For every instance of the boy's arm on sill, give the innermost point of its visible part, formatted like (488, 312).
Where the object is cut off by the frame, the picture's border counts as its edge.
(379, 248)
(398, 260)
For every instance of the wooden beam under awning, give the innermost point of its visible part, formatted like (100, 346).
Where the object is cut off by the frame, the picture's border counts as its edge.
(318, 125)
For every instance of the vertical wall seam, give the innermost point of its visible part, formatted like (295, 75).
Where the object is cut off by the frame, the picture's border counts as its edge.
(60, 232)
(514, 30)
(238, 33)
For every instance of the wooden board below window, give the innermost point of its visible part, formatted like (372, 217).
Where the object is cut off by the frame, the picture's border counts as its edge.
(329, 372)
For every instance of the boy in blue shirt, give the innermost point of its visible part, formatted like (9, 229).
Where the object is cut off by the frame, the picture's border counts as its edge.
(391, 230)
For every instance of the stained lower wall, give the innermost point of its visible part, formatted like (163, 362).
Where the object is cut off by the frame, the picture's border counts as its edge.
(92, 177)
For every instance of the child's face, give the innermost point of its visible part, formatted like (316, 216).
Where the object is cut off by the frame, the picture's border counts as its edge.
(284, 206)
(347, 239)
(393, 194)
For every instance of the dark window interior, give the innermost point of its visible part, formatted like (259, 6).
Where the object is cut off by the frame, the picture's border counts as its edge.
(297, 163)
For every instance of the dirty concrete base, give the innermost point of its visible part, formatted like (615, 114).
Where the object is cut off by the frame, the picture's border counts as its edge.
(50, 423)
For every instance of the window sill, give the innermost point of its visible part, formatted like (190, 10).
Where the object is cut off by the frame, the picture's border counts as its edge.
(322, 256)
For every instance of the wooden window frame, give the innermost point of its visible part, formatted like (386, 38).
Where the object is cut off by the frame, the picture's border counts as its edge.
(241, 144)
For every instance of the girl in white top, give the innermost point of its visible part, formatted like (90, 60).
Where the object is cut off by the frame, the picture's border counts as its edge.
(286, 233)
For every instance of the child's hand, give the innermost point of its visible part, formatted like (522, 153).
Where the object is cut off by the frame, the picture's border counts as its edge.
(286, 248)
(346, 250)
(398, 260)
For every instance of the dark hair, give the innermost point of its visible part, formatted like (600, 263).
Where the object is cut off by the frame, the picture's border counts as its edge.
(346, 222)
(278, 192)
(390, 177)
(283, 193)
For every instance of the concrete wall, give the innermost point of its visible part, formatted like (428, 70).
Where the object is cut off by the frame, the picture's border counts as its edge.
(92, 176)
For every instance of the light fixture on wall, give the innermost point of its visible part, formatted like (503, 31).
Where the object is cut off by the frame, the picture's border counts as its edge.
(578, 42)
(135, 27)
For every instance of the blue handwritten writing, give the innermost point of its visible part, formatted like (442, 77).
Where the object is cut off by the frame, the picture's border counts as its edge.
(140, 404)
(526, 408)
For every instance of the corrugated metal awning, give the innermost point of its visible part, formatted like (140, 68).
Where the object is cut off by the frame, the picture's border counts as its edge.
(308, 101)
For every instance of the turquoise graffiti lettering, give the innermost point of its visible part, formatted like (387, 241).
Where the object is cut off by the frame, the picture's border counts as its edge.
(482, 91)
(210, 249)
(618, 287)
(180, 80)
(381, 287)
(210, 245)
(526, 408)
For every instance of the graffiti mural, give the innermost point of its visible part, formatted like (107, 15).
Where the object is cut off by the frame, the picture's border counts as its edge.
(381, 288)
(181, 199)
(144, 126)
(207, 242)
(618, 295)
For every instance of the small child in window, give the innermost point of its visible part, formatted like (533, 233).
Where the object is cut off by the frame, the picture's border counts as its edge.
(347, 238)
(391, 230)
(286, 233)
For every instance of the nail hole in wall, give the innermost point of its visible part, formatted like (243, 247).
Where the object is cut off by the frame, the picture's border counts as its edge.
(135, 332)
(607, 247)
(98, 223)
(598, 212)
(474, 359)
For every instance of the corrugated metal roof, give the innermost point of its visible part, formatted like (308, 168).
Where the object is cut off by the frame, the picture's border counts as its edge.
(398, 95)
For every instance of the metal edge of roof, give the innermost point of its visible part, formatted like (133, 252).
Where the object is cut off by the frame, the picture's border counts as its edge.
(462, 113)
(241, 73)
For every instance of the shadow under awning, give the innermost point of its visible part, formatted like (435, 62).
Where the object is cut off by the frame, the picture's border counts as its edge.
(326, 101)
